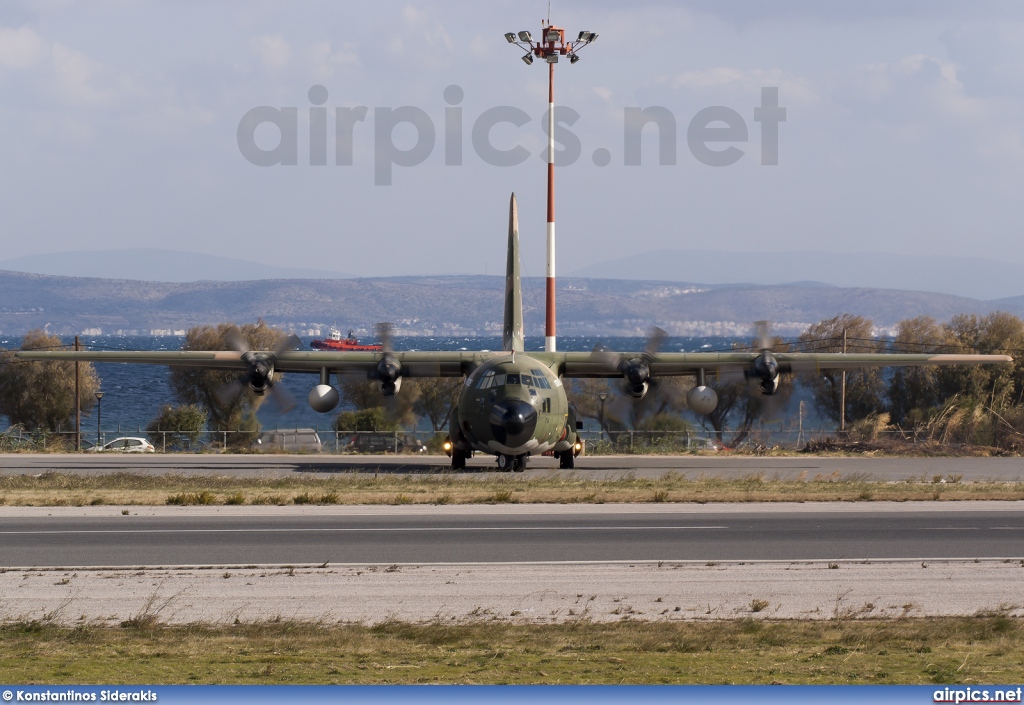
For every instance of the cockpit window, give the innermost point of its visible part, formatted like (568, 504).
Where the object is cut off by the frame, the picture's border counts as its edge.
(490, 380)
(540, 380)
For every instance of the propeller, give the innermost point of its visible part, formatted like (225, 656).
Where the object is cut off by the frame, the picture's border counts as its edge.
(636, 370)
(763, 373)
(389, 369)
(259, 374)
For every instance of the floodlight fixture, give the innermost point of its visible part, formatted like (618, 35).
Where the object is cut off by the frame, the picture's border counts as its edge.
(573, 58)
(552, 35)
(524, 36)
(552, 58)
(528, 59)
(511, 37)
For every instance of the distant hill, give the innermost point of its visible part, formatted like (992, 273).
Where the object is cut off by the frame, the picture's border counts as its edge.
(155, 265)
(452, 305)
(972, 277)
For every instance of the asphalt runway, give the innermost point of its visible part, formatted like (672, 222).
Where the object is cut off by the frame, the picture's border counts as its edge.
(615, 533)
(692, 466)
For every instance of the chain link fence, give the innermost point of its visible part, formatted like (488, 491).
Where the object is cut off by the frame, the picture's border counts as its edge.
(315, 440)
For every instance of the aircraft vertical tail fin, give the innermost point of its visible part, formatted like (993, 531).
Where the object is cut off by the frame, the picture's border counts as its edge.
(512, 334)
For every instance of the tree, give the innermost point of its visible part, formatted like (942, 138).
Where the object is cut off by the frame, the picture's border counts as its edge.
(200, 386)
(864, 387)
(995, 386)
(435, 398)
(42, 394)
(359, 393)
(584, 395)
(178, 426)
(741, 403)
(914, 391)
(373, 419)
(665, 397)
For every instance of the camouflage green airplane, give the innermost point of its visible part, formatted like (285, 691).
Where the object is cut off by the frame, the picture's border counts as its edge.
(512, 404)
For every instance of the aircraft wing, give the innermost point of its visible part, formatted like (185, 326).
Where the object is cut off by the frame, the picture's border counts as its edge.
(569, 364)
(605, 364)
(414, 363)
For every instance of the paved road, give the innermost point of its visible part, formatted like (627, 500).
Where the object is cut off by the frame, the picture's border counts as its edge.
(594, 466)
(496, 534)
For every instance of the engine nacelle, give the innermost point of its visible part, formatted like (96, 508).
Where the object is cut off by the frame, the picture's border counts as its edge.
(389, 376)
(770, 386)
(636, 374)
(259, 372)
(766, 369)
(323, 398)
(390, 389)
(635, 391)
(702, 399)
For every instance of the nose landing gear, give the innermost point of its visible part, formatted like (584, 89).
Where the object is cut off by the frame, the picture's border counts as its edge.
(515, 463)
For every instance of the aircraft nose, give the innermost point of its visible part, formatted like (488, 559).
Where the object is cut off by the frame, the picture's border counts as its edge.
(513, 421)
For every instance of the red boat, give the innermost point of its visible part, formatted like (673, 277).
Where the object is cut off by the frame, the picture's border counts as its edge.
(334, 341)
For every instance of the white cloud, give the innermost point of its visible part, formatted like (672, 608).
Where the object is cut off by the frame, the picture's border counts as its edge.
(793, 88)
(324, 60)
(273, 51)
(424, 34)
(77, 77)
(20, 48)
(918, 80)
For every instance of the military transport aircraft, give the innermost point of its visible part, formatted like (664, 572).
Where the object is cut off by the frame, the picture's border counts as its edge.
(512, 403)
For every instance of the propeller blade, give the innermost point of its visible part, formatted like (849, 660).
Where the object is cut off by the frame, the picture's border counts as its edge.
(290, 343)
(236, 341)
(730, 375)
(229, 392)
(384, 334)
(283, 399)
(655, 339)
(762, 335)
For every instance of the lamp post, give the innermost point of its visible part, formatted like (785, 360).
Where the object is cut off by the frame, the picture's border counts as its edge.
(551, 46)
(602, 396)
(99, 415)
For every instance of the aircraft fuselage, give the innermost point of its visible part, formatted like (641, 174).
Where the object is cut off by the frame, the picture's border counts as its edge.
(513, 406)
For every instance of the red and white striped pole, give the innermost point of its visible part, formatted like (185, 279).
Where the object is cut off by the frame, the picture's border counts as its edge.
(551, 45)
(549, 326)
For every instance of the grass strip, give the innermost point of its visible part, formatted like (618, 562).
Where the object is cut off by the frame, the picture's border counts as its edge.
(982, 649)
(125, 488)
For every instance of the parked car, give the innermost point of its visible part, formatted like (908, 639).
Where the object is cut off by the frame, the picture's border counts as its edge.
(370, 442)
(704, 444)
(295, 440)
(127, 444)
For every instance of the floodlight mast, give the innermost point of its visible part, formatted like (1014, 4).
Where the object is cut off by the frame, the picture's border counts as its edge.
(552, 44)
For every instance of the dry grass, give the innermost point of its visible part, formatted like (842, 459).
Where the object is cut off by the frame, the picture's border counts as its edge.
(982, 649)
(58, 489)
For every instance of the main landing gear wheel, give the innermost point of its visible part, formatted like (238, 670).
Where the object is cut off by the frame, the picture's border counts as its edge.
(566, 460)
(458, 459)
(519, 464)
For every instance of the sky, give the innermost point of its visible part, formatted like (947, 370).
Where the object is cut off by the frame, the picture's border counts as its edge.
(122, 122)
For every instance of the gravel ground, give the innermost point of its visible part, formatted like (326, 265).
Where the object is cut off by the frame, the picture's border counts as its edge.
(514, 592)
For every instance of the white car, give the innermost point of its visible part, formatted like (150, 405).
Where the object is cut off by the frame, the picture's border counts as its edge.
(125, 445)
